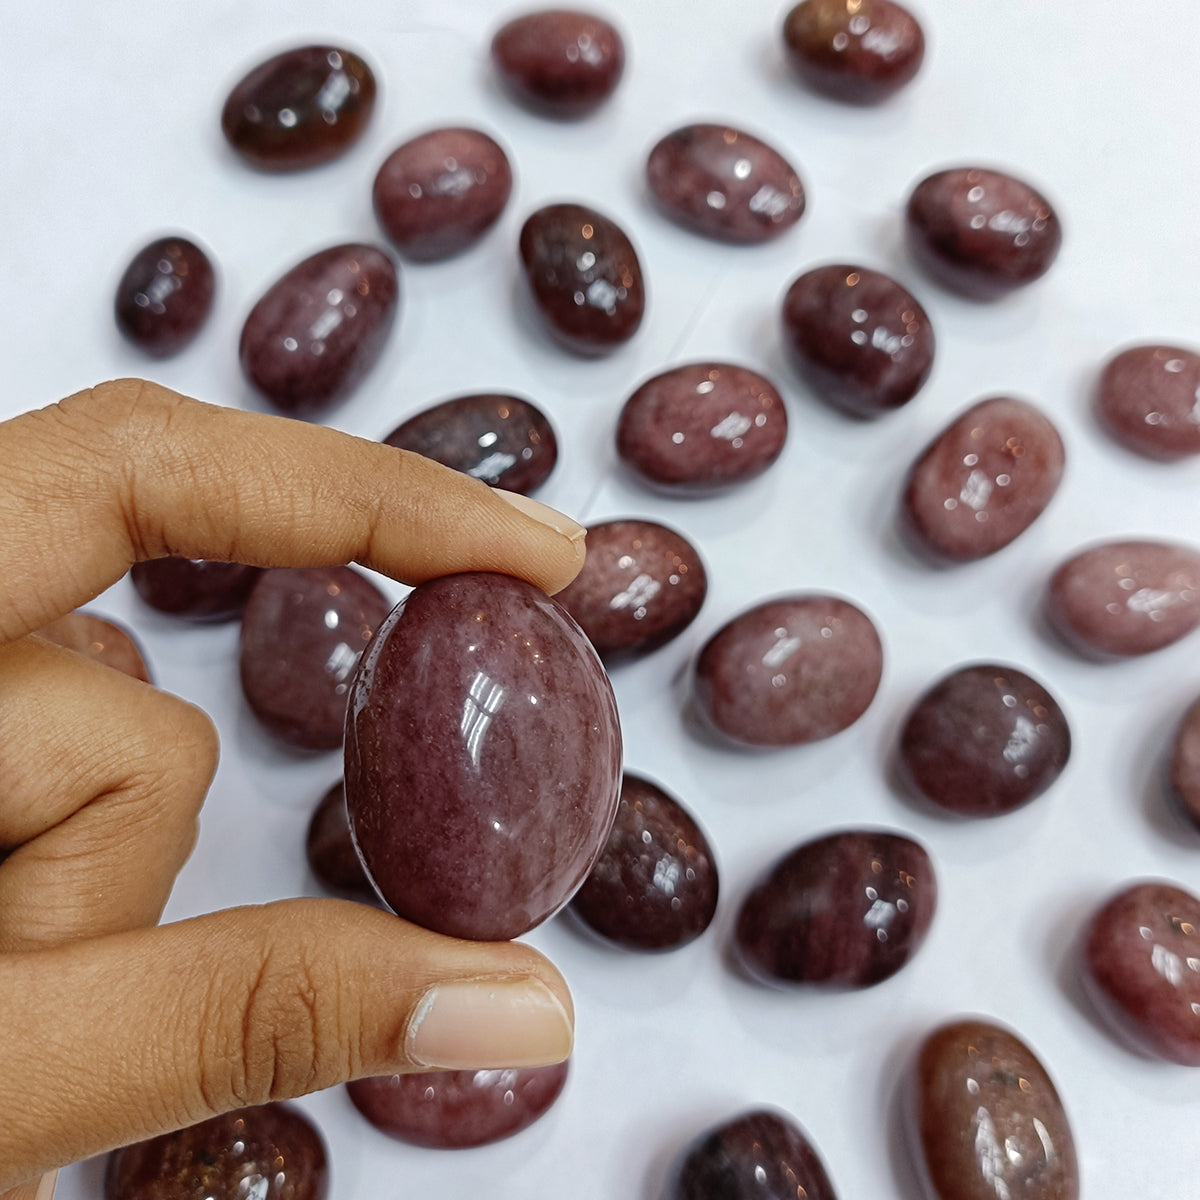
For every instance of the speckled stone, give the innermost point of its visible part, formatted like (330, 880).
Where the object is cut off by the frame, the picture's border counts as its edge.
(194, 589)
(330, 851)
(453, 1110)
(483, 757)
(987, 1120)
(1184, 771)
(983, 480)
(641, 586)
(725, 183)
(1123, 598)
(165, 296)
(788, 671)
(101, 640)
(1148, 398)
(847, 910)
(702, 427)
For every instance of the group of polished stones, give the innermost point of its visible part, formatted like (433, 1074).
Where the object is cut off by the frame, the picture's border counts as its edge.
(849, 909)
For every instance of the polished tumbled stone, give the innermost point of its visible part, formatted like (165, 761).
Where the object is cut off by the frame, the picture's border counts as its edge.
(1184, 769)
(165, 296)
(1148, 398)
(101, 640)
(329, 847)
(194, 589)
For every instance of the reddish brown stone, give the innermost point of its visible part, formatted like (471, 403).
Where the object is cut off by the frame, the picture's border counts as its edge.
(194, 589)
(1185, 763)
(165, 296)
(329, 847)
(100, 640)
(1149, 400)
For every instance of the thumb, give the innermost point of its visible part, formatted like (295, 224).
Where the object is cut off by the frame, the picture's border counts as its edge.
(127, 1036)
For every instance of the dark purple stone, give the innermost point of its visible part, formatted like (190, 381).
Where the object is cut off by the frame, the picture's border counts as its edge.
(585, 277)
(980, 232)
(1184, 772)
(654, 886)
(559, 62)
(861, 52)
(483, 757)
(100, 640)
(319, 329)
(300, 108)
(984, 740)
(641, 586)
(165, 296)
(1149, 400)
(329, 847)
(848, 910)
(725, 183)
(303, 632)
(759, 1155)
(273, 1152)
(1126, 598)
(858, 339)
(983, 480)
(193, 588)
(503, 440)
(439, 193)
(701, 427)
(789, 671)
(453, 1110)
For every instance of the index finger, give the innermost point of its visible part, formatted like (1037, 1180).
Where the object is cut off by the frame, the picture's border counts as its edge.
(130, 470)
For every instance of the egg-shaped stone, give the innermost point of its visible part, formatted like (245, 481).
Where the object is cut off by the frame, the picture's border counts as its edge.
(330, 850)
(1184, 769)
(101, 640)
(165, 296)
(1148, 398)
(194, 589)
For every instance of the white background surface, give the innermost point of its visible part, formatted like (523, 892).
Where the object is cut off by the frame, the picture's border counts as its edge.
(111, 137)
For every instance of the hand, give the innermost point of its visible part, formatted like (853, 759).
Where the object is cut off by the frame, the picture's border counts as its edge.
(112, 1030)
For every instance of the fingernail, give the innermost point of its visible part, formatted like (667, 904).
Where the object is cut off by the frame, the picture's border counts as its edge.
(46, 1187)
(557, 521)
(489, 1023)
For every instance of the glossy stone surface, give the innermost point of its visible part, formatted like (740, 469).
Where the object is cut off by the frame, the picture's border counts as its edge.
(984, 740)
(165, 296)
(439, 193)
(1148, 398)
(861, 52)
(329, 847)
(1184, 771)
(987, 1120)
(701, 427)
(758, 1155)
(303, 632)
(193, 588)
(452, 1110)
(857, 338)
(655, 884)
(273, 1152)
(585, 277)
(980, 232)
(983, 480)
(100, 640)
(642, 585)
(300, 108)
(847, 910)
(1123, 598)
(788, 671)
(319, 329)
(483, 757)
(1142, 968)
(503, 440)
(725, 183)
(559, 62)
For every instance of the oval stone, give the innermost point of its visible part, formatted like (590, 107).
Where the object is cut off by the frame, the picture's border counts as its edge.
(725, 183)
(165, 296)
(100, 640)
(641, 585)
(303, 632)
(193, 588)
(987, 1120)
(984, 740)
(439, 193)
(857, 338)
(861, 53)
(1142, 968)
(329, 847)
(585, 277)
(503, 440)
(655, 884)
(300, 108)
(789, 671)
(981, 233)
(701, 427)
(759, 1155)
(319, 329)
(983, 480)
(848, 910)
(272, 1152)
(483, 757)
(1184, 772)
(1149, 400)
(559, 62)
(453, 1110)
(1127, 597)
